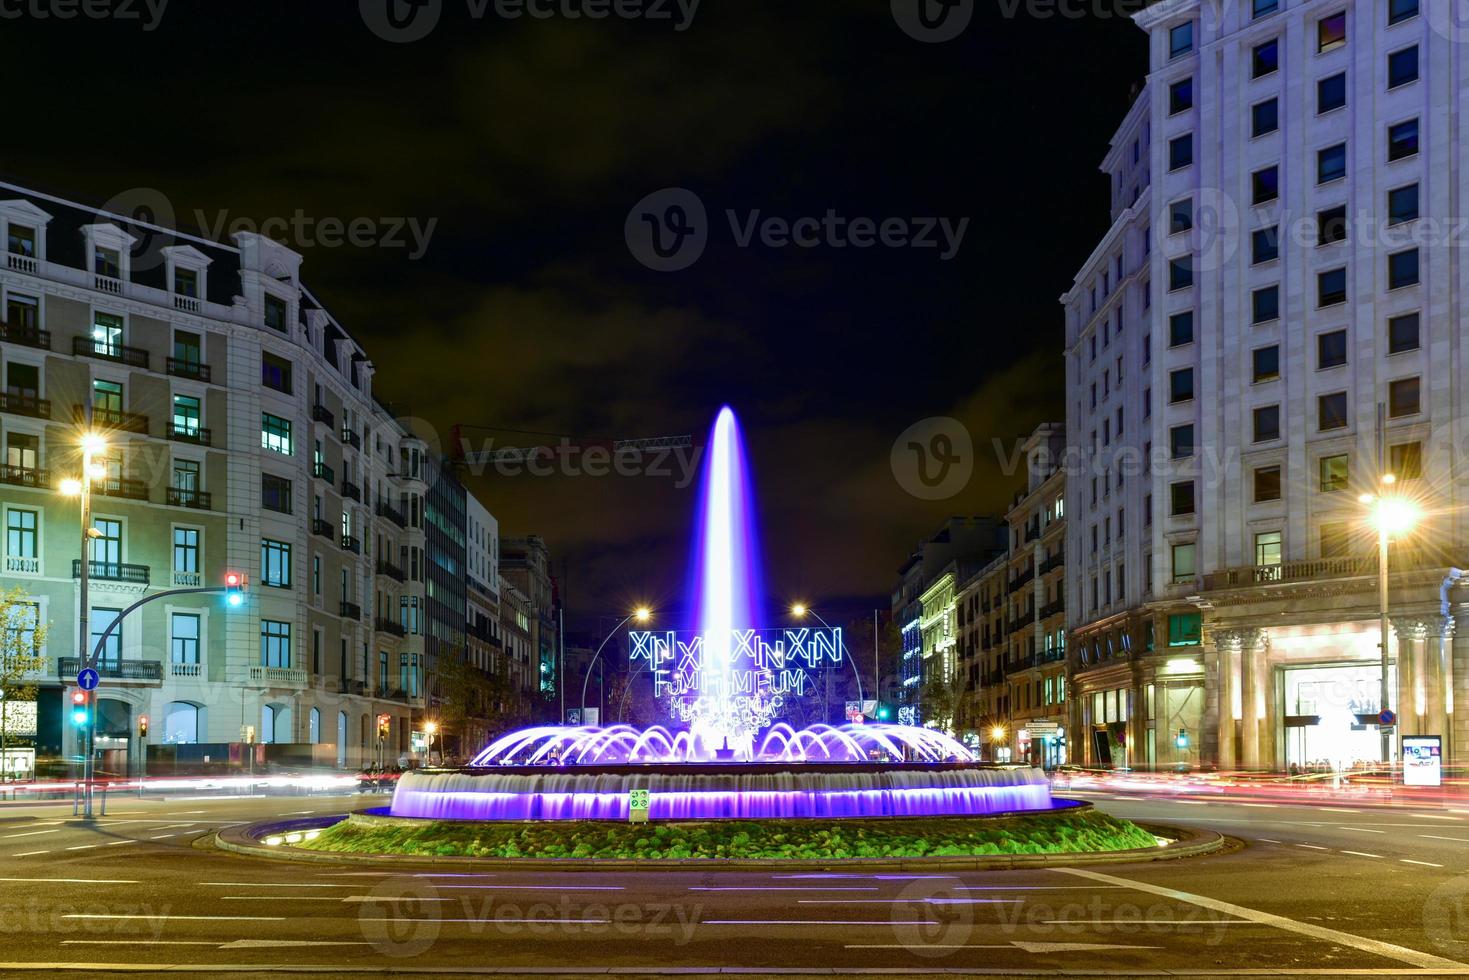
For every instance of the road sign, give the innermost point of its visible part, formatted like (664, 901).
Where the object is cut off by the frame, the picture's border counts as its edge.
(637, 805)
(88, 679)
(1042, 728)
(1387, 717)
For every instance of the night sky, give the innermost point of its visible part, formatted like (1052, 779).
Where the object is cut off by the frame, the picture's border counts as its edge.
(530, 141)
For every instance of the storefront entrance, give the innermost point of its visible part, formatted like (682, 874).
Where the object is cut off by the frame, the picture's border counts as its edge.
(1330, 717)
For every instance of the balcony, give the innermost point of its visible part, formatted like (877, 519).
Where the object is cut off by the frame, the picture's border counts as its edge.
(192, 370)
(111, 285)
(22, 263)
(1052, 563)
(319, 413)
(1353, 566)
(186, 671)
(112, 571)
(277, 676)
(391, 571)
(396, 516)
(187, 580)
(124, 670)
(18, 565)
(119, 487)
(323, 472)
(26, 336)
(195, 434)
(189, 304)
(112, 419)
(351, 438)
(350, 610)
(25, 476)
(1032, 532)
(117, 353)
(323, 528)
(351, 491)
(194, 499)
(1020, 581)
(20, 403)
(351, 544)
(390, 627)
(1053, 609)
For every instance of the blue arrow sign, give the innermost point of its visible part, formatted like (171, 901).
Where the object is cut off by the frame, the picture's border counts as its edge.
(88, 678)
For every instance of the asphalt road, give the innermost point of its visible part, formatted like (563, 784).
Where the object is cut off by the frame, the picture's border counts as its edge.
(1315, 890)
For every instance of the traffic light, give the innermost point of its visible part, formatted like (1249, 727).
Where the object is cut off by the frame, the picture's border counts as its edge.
(79, 713)
(235, 584)
(143, 726)
(1182, 740)
(384, 723)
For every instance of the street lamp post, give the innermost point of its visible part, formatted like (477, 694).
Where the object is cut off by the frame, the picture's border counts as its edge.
(81, 488)
(800, 610)
(1390, 514)
(642, 615)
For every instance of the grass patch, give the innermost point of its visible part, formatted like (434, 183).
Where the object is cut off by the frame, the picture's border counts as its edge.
(1063, 833)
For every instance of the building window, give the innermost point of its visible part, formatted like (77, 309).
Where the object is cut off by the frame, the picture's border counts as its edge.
(1267, 548)
(1335, 472)
(1403, 398)
(1331, 163)
(1331, 411)
(1402, 140)
(186, 550)
(1183, 563)
(1181, 496)
(1264, 117)
(186, 411)
(1331, 225)
(1402, 333)
(316, 575)
(275, 493)
(1331, 93)
(1401, 10)
(1181, 151)
(107, 334)
(1402, 204)
(1265, 59)
(275, 372)
(1266, 363)
(183, 631)
(1185, 629)
(1331, 32)
(21, 240)
(1331, 349)
(1181, 385)
(1405, 460)
(275, 433)
(1402, 67)
(99, 623)
(1181, 441)
(277, 311)
(1180, 273)
(1267, 423)
(1180, 216)
(1331, 287)
(275, 563)
(1180, 39)
(1181, 329)
(1265, 304)
(1265, 185)
(1267, 484)
(1265, 245)
(1180, 96)
(21, 537)
(1402, 269)
(275, 643)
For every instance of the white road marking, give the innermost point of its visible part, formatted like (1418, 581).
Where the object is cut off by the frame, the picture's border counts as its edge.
(139, 942)
(1362, 854)
(1314, 847)
(1436, 816)
(1268, 840)
(267, 884)
(119, 843)
(177, 918)
(272, 943)
(25, 854)
(1426, 864)
(1271, 806)
(77, 881)
(1464, 840)
(82, 847)
(777, 888)
(1374, 946)
(1182, 923)
(1336, 809)
(1363, 830)
(905, 901)
(30, 833)
(162, 836)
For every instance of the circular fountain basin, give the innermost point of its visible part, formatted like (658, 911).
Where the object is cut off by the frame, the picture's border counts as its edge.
(715, 791)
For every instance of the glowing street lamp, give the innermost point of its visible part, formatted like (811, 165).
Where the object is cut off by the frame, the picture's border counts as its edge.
(92, 445)
(799, 610)
(997, 734)
(642, 614)
(1392, 515)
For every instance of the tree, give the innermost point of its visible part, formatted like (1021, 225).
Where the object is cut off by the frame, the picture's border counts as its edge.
(942, 700)
(472, 704)
(21, 637)
(857, 635)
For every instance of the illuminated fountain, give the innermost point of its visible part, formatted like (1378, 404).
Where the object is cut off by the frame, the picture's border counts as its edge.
(725, 684)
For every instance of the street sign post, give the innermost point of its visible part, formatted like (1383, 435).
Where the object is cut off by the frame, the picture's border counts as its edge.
(1386, 718)
(638, 801)
(88, 678)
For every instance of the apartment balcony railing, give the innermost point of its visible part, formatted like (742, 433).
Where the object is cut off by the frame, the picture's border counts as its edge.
(22, 403)
(1032, 532)
(196, 499)
(396, 516)
(20, 565)
(277, 676)
(196, 434)
(391, 627)
(187, 580)
(351, 438)
(126, 670)
(112, 571)
(186, 671)
(320, 413)
(323, 528)
(193, 370)
(25, 476)
(21, 263)
(1052, 563)
(1053, 608)
(25, 336)
(391, 571)
(350, 610)
(119, 353)
(1311, 569)
(323, 472)
(351, 544)
(120, 487)
(351, 491)
(112, 419)
(107, 284)
(1020, 581)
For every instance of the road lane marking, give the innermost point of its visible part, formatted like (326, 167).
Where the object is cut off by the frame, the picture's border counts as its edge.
(162, 836)
(30, 833)
(119, 843)
(1362, 854)
(273, 943)
(76, 881)
(1268, 840)
(82, 847)
(1336, 809)
(1436, 816)
(1270, 806)
(139, 942)
(176, 918)
(267, 884)
(1374, 946)
(1183, 923)
(1362, 830)
(1426, 864)
(1314, 847)
(24, 854)
(779, 888)
(1464, 840)
(905, 901)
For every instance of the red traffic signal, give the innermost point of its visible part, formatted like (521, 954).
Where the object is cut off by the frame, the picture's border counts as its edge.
(232, 580)
(234, 588)
(79, 696)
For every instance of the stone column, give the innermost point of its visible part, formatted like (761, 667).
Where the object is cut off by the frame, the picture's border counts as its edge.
(1459, 679)
(1437, 676)
(1227, 645)
(1411, 633)
(1253, 653)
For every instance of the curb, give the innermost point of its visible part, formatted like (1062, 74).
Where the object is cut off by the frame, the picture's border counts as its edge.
(245, 840)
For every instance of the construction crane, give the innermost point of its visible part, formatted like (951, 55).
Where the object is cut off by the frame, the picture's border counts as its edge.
(462, 456)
